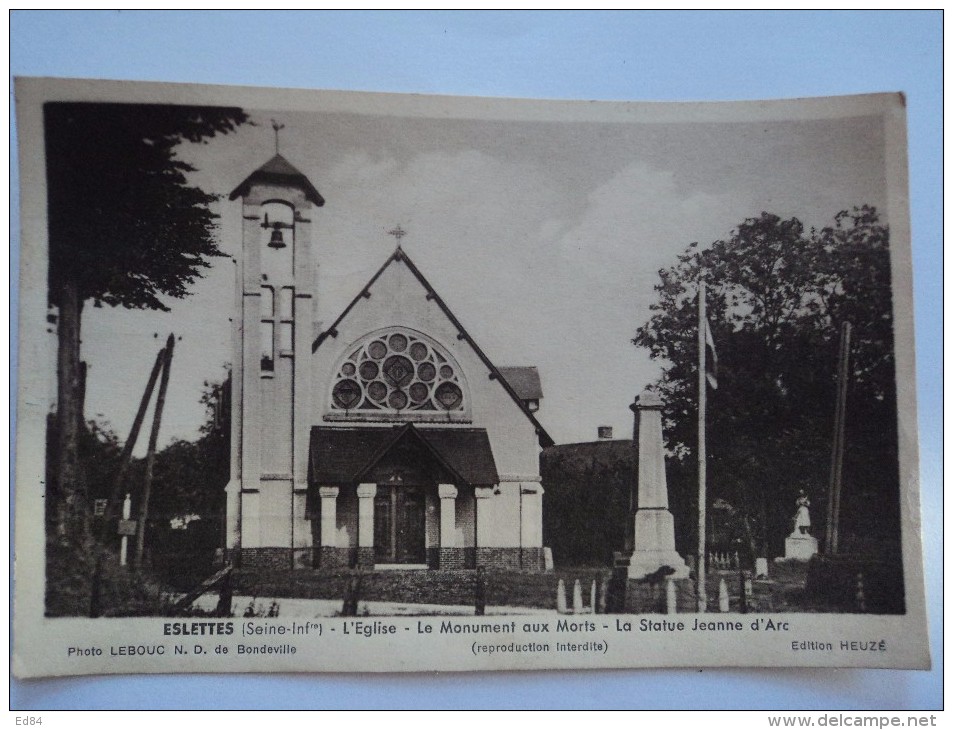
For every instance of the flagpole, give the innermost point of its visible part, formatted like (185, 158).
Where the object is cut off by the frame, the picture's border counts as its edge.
(702, 456)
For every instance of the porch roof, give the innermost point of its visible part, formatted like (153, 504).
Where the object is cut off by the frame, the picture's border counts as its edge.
(341, 455)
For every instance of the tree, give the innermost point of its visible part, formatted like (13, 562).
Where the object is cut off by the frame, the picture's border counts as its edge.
(189, 485)
(125, 229)
(190, 476)
(776, 297)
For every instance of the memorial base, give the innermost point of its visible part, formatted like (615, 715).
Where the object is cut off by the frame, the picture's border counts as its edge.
(650, 563)
(800, 547)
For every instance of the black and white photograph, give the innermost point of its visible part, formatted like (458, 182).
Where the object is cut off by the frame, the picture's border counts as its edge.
(331, 381)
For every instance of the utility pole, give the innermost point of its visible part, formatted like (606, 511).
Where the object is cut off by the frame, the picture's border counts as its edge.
(151, 454)
(702, 453)
(837, 450)
(126, 456)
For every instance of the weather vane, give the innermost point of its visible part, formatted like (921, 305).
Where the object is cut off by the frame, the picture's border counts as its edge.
(397, 233)
(277, 127)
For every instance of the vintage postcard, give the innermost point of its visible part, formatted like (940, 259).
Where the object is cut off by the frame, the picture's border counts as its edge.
(329, 381)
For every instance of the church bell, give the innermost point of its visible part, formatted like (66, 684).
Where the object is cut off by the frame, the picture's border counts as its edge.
(277, 240)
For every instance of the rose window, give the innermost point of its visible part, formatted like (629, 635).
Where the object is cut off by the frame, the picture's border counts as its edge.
(398, 372)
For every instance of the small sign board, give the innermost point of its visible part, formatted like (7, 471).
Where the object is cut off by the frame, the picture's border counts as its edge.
(127, 527)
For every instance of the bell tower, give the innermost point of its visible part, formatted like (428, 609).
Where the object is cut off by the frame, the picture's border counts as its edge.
(272, 326)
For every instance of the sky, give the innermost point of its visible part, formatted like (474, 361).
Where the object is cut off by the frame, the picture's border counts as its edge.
(544, 237)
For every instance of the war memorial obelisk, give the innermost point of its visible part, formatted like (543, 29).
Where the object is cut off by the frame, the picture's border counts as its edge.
(654, 539)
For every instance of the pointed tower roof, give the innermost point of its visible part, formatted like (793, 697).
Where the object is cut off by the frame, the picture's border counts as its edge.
(400, 257)
(278, 171)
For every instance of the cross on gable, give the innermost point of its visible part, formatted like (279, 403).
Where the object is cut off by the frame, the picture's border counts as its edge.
(277, 127)
(397, 233)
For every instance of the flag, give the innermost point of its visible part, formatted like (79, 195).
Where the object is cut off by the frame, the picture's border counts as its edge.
(711, 360)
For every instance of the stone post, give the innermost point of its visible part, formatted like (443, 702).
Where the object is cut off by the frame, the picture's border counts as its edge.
(330, 555)
(450, 555)
(365, 524)
(654, 525)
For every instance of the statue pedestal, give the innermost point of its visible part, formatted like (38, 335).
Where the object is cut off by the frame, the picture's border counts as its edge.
(800, 547)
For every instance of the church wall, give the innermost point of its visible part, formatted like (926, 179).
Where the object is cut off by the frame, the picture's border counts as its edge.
(301, 531)
(274, 518)
(498, 517)
(267, 513)
(270, 460)
(266, 526)
(276, 405)
(531, 515)
(398, 299)
(250, 531)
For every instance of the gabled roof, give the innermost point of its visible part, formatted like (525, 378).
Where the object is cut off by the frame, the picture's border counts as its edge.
(279, 171)
(399, 256)
(348, 455)
(524, 379)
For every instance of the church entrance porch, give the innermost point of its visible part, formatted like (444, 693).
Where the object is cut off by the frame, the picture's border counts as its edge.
(394, 526)
(400, 527)
(407, 497)
(397, 498)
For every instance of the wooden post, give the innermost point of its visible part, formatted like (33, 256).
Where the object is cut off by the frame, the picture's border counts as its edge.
(151, 454)
(126, 456)
(112, 503)
(124, 540)
(837, 450)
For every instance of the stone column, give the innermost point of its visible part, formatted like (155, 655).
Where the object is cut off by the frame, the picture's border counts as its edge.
(483, 554)
(365, 524)
(654, 524)
(451, 556)
(330, 555)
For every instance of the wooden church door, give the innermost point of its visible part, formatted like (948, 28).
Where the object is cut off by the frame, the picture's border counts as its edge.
(400, 525)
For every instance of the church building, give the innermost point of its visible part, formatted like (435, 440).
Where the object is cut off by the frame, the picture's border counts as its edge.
(387, 439)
